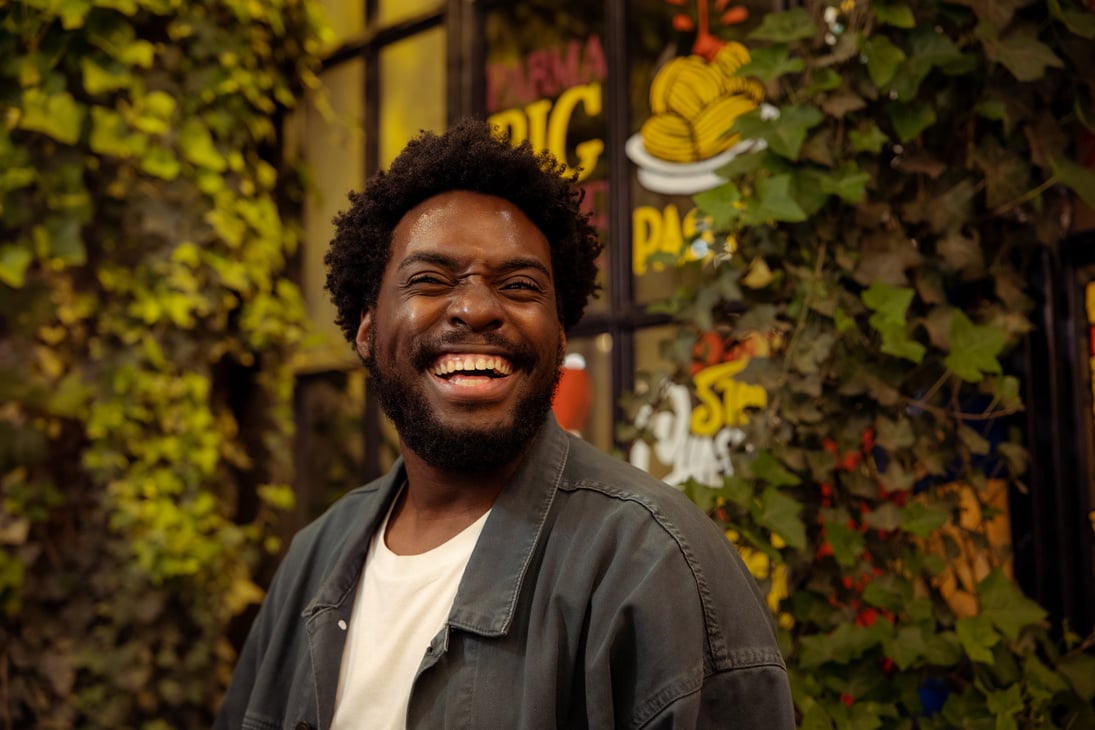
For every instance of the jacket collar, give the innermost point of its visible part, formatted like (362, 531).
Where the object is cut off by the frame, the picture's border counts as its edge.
(492, 581)
(487, 597)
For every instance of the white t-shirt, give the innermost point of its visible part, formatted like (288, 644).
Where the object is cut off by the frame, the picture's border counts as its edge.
(401, 604)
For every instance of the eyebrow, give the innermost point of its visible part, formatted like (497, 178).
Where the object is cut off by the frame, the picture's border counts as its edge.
(449, 262)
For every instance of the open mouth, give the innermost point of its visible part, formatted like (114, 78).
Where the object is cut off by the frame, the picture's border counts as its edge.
(460, 365)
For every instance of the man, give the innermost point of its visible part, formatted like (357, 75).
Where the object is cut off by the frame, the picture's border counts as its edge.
(504, 574)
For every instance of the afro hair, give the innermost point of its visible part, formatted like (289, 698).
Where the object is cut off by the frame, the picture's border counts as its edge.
(470, 156)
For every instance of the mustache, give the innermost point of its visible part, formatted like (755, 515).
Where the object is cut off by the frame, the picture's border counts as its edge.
(522, 356)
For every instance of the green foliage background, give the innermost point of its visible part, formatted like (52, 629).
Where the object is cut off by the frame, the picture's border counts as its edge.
(922, 154)
(145, 323)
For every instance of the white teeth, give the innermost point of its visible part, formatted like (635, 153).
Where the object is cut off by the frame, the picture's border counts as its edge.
(470, 363)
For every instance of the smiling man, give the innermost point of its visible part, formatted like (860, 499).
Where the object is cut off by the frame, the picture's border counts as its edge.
(504, 574)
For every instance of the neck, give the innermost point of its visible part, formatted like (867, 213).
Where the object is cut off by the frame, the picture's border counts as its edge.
(437, 504)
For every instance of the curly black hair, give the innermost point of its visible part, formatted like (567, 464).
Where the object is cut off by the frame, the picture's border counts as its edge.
(470, 156)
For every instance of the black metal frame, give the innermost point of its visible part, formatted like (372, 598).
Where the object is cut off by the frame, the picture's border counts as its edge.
(1054, 544)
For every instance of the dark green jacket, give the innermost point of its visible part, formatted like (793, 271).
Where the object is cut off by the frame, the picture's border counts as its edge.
(597, 596)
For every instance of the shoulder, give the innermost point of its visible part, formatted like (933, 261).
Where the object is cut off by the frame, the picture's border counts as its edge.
(642, 527)
(316, 548)
(327, 531)
(634, 493)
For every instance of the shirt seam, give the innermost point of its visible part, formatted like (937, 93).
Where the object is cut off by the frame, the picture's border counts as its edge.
(686, 687)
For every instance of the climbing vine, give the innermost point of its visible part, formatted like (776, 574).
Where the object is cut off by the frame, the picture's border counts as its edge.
(916, 157)
(146, 319)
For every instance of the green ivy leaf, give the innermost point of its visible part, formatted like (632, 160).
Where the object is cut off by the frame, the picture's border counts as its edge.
(889, 592)
(767, 467)
(278, 496)
(737, 490)
(785, 134)
(943, 650)
(887, 516)
(14, 261)
(972, 440)
(978, 637)
(774, 202)
(842, 645)
(1005, 704)
(898, 15)
(197, 146)
(1006, 607)
(849, 183)
(57, 115)
(769, 63)
(1077, 177)
(883, 58)
(110, 134)
(906, 647)
(868, 138)
(848, 544)
(922, 520)
(66, 243)
(722, 204)
(1042, 682)
(994, 109)
(889, 305)
(791, 25)
(161, 163)
(815, 718)
(1024, 55)
(98, 80)
(1080, 22)
(779, 513)
(1079, 670)
(910, 118)
(974, 348)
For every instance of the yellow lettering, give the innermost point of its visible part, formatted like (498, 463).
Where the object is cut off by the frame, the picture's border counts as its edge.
(545, 126)
(538, 112)
(715, 412)
(672, 236)
(589, 151)
(513, 122)
(646, 229)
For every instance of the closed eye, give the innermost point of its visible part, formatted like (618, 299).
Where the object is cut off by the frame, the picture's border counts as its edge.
(426, 279)
(526, 284)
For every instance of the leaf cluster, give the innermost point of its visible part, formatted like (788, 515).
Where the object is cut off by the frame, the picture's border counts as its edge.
(146, 320)
(921, 155)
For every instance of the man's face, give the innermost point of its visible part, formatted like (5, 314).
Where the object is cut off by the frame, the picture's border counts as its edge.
(464, 344)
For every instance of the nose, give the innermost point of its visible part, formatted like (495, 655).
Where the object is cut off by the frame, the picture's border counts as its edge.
(475, 305)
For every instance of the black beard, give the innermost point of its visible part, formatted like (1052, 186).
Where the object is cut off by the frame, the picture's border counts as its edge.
(462, 450)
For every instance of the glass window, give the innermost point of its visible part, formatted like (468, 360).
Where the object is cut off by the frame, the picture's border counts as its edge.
(412, 90)
(389, 12)
(684, 98)
(545, 82)
(332, 140)
(345, 19)
(580, 405)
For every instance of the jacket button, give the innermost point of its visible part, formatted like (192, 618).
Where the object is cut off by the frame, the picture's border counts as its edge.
(302, 725)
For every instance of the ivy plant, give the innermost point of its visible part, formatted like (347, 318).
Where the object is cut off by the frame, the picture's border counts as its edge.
(146, 320)
(877, 243)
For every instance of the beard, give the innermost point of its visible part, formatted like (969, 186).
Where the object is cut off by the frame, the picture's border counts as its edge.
(463, 449)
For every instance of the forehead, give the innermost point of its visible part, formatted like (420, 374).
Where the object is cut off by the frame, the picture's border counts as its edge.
(469, 226)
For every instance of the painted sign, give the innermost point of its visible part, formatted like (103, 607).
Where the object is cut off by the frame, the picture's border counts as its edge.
(536, 98)
(694, 440)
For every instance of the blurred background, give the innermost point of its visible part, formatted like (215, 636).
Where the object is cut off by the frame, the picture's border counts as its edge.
(178, 402)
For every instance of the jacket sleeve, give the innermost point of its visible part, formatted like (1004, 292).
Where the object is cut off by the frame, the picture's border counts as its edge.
(680, 636)
(756, 698)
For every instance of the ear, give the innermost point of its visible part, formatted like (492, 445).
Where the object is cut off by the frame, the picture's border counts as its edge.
(361, 342)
